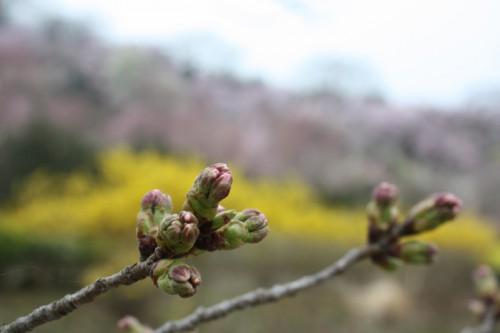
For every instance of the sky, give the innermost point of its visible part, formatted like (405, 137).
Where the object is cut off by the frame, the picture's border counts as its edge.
(424, 52)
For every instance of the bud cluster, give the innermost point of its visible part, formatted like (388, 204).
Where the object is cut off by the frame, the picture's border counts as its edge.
(384, 224)
(487, 292)
(202, 225)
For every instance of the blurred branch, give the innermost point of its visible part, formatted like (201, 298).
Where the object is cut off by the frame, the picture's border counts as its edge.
(262, 296)
(71, 302)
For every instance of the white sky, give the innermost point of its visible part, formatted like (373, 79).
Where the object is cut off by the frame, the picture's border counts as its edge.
(421, 51)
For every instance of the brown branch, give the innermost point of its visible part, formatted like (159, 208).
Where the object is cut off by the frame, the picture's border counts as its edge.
(262, 296)
(71, 302)
(277, 292)
(139, 271)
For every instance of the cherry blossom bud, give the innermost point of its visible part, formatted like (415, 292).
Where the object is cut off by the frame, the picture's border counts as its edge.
(485, 282)
(387, 262)
(158, 203)
(382, 211)
(178, 233)
(211, 186)
(154, 207)
(432, 212)
(417, 252)
(385, 194)
(222, 218)
(248, 226)
(175, 277)
(130, 324)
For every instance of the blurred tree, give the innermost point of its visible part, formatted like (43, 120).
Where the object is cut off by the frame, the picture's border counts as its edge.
(74, 55)
(5, 12)
(42, 145)
(206, 52)
(344, 77)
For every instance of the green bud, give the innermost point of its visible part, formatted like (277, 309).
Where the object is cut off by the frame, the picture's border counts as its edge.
(154, 207)
(189, 234)
(175, 277)
(382, 211)
(248, 226)
(222, 218)
(130, 324)
(211, 186)
(485, 282)
(178, 233)
(235, 235)
(158, 204)
(417, 252)
(144, 222)
(253, 219)
(387, 262)
(431, 213)
(258, 235)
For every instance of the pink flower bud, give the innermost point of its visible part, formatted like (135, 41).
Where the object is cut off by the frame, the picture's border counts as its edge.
(178, 233)
(448, 205)
(382, 211)
(486, 282)
(189, 234)
(221, 186)
(130, 324)
(432, 212)
(211, 186)
(180, 273)
(175, 277)
(188, 217)
(156, 199)
(385, 193)
(155, 206)
(254, 219)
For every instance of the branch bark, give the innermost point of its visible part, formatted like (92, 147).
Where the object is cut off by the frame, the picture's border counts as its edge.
(262, 296)
(71, 302)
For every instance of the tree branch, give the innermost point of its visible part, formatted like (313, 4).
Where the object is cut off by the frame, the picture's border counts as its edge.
(262, 296)
(139, 271)
(71, 302)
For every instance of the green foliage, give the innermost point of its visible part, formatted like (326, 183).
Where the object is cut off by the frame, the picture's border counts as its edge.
(27, 262)
(19, 249)
(42, 146)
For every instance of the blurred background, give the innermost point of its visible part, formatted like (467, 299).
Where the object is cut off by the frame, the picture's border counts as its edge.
(311, 103)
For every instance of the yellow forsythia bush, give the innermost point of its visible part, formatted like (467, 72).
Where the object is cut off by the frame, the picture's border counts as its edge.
(82, 206)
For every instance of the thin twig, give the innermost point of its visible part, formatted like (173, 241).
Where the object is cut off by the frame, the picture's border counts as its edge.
(262, 296)
(71, 302)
